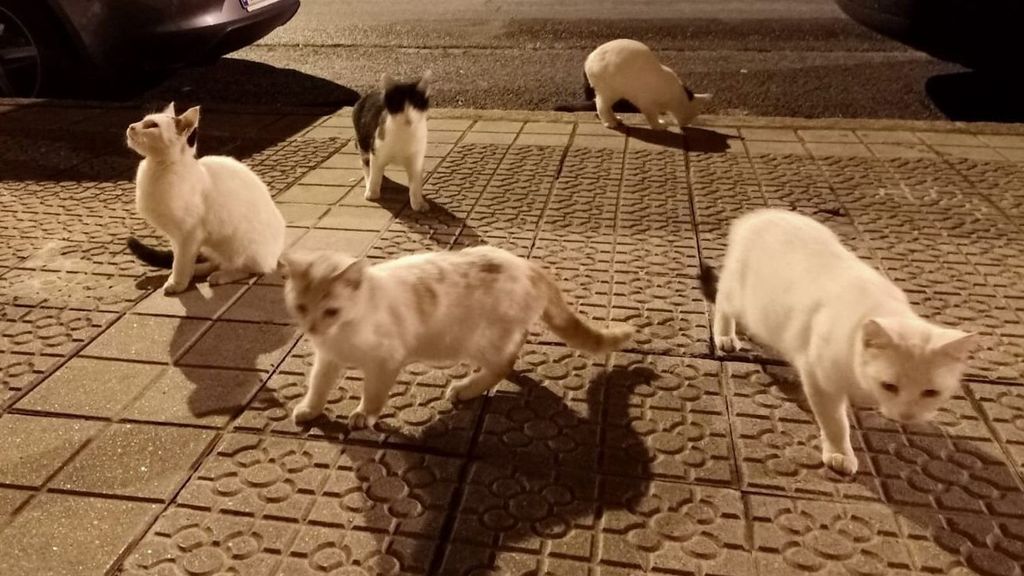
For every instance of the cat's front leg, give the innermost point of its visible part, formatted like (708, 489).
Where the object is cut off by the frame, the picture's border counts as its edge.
(377, 384)
(830, 410)
(373, 183)
(604, 111)
(323, 377)
(186, 250)
(414, 169)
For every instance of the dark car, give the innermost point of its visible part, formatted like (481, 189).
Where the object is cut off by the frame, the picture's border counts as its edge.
(979, 34)
(50, 47)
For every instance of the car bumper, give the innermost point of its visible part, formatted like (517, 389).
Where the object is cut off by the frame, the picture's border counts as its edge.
(155, 35)
(976, 33)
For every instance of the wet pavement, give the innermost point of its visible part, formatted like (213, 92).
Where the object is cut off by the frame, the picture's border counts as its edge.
(144, 434)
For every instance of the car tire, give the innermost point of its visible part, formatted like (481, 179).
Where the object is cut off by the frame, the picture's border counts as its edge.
(41, 33)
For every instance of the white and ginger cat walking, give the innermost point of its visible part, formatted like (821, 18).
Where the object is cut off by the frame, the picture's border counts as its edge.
(214, 206)
(391, 127)
(849, 332)
(474, 305)
(627, 70)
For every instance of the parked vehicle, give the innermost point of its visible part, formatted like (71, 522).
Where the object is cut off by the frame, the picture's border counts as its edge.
(53, 47)
(979, 34)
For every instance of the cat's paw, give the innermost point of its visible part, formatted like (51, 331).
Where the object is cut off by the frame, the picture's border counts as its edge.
(221, 277)
(419, 204)
(728, 343)
(615, 123)
(371, 195)
(358, 420)
(660, 125)
(304, 413)
(841, 463)
(171, 287)
(460, 393)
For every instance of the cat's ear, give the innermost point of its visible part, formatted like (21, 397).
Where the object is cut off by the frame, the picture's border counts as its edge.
(387, 81)
(878, 333)
(956, 344)
(291, 264)
(187, 121)
(352, 275)
(170, 109)
(425, 82)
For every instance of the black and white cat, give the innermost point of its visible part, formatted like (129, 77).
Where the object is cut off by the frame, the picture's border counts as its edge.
(214, 206)
(625, 75)
(391, 127)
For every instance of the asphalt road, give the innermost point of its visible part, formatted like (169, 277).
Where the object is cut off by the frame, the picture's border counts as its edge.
(800, 58)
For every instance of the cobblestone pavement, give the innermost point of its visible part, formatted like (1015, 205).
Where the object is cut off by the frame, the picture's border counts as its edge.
(141, 434)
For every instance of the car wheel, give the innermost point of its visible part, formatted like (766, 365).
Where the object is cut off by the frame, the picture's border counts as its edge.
(33, 57)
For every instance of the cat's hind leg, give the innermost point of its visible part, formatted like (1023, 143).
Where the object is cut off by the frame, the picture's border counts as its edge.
(375, 179)
(414, 169)
(724, 323)
(653, 117)
(604, 111)
(493, 368)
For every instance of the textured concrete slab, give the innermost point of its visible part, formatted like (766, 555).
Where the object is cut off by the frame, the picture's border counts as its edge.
(147, 434)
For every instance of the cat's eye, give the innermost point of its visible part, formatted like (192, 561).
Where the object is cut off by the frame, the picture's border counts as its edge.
(930, 393)
(301, 309)
(330, 312)
(148, 124)
(890, 388)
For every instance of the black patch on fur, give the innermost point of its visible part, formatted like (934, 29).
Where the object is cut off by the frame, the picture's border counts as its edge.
(708, 282)
(368, 112)
(193, 137)
(152, 256)
(588, 90)
(491, 267)
(366, 118)
(689, 93)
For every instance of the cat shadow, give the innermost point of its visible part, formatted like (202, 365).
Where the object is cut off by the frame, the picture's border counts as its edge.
(439, 225)
(460, 546)
(691, 138)
(223, 364)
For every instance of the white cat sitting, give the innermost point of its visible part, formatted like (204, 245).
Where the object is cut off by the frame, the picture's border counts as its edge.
(474, 305)
(627, 69)
(849, 332)
(215, 206)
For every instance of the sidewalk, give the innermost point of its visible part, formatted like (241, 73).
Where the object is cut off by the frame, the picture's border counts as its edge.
(142, 434)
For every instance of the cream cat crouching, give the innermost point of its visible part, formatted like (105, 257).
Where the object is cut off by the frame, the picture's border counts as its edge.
(849, 332)
(627, 69)
(475, 305)
(213, 206)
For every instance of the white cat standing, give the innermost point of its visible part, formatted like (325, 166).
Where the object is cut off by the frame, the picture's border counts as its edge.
(849, 332)
(214, 206)
(629, 70)
(391, 128)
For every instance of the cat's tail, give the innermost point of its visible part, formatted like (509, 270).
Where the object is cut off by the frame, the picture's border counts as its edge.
(568, 326)
(152, 256)
(708, 282)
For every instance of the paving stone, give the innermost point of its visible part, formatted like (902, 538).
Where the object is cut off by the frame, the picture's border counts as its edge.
(19, 372)
(802, 537)
(557, 140)
(57, 256)
(260, 304)
(948, 544)
(314, 194)
(303, 215)
(201, 301)
(356, 218)
(665, 330)
(10, 501)
(819, 149)
(497, 126)
(667, 418)
(69, 290)
(91, 387)
(1003, 406)
(519, 521)
(241, 345)
(775, 134)
(831, 136)
(147, 338)
(195, 396)
(135, 460)
(448, 124)
(548, 413)
(62, 534)
(353, 243)
(417, 413)
(36, 447)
